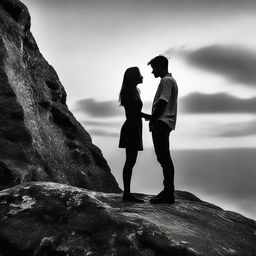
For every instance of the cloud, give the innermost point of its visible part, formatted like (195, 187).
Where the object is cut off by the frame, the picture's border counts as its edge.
(216, 103)
(189, 104)
(98, 132)
(103, 124)
(95, 108)
(237, 64)
(108, 108)
(238, 129)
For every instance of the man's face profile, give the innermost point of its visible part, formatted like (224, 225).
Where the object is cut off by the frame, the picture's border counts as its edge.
(156, 71)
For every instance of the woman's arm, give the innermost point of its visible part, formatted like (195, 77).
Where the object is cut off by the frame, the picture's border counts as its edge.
(145, 116)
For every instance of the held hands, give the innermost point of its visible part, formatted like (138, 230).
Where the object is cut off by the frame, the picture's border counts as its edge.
(160, 106)
(147, 118)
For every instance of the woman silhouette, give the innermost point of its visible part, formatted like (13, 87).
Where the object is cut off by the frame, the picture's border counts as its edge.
(131, 131)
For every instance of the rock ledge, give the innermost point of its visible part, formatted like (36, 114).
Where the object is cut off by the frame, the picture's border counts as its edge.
(45, 218)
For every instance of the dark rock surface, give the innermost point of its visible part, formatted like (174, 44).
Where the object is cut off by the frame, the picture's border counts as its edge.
(39, 137)
(45, 218)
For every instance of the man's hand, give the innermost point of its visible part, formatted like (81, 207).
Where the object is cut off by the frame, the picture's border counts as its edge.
(145, 116)
(151, 124)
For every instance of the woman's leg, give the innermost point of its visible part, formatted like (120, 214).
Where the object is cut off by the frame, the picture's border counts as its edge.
(131, 157)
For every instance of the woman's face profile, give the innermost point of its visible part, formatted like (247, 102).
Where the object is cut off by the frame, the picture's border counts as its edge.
(138, 78)
(133, 77)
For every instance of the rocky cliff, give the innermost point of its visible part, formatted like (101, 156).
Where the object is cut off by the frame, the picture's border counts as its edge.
(46, 218)
(39, 137)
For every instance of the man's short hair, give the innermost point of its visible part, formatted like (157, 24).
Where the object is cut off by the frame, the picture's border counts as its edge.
(159, 61)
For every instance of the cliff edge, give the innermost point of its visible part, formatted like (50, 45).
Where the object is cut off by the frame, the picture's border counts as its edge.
(45, 218)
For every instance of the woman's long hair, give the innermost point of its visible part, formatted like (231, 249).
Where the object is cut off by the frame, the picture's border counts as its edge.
(128, 90)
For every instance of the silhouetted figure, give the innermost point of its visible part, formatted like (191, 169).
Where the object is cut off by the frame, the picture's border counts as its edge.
(131, 131)
(162, 122)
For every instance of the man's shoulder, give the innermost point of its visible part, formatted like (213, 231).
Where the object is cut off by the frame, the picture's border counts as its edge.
(168, 80)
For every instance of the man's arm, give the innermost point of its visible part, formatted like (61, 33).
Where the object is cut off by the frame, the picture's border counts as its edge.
(160, 106)
(162, 102)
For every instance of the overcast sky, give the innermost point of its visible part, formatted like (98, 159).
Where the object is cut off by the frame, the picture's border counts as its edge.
(211, 48)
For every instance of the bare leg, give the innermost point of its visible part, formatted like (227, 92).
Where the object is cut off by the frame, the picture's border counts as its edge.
(131, 157)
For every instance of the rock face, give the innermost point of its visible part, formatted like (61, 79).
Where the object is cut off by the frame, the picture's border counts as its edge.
(45, 218)
(39, 137)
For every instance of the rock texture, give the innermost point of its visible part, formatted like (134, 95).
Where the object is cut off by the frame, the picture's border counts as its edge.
(45, 218)
(39, 137)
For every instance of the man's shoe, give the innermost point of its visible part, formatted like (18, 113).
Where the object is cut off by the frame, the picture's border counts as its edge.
(164, 199)
(131, 198)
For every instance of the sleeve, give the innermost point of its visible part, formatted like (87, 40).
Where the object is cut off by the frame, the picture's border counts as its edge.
(166, 90)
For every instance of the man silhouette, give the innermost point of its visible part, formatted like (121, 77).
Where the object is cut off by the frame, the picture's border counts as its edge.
(162, 122)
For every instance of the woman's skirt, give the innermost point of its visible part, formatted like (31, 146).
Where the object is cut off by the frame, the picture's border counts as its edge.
(131, 136)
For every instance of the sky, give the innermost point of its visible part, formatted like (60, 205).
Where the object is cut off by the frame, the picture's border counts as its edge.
(211, 50)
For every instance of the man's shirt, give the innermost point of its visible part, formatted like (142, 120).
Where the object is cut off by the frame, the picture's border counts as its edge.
(167, 91)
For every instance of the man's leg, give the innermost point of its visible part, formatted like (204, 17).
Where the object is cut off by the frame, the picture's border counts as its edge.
(160, 135)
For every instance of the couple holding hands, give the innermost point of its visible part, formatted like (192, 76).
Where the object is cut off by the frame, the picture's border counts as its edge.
(161, 122)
